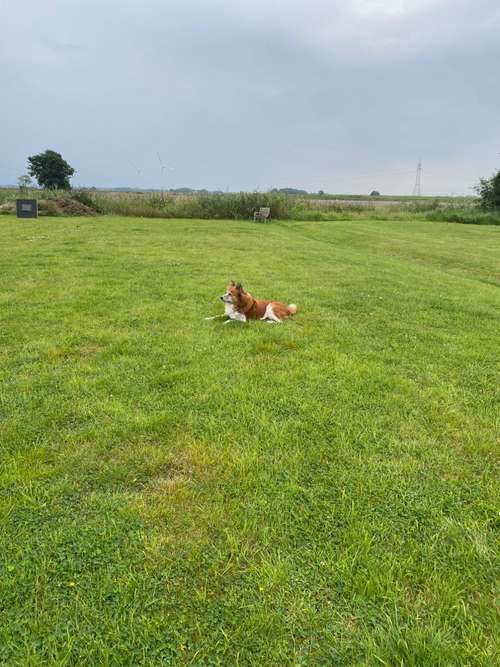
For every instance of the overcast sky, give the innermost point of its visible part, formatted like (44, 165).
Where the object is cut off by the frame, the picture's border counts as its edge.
(343, 96)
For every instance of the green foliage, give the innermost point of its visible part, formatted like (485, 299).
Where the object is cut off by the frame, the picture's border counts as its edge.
(50, 170)
(426, 205)
(49, 207)
(290, 191)
(86, 198)
(240, 206)
(426, 209)
(180, 492)
(234, 206)
(24, 183)
(489, 192)
(465, 216)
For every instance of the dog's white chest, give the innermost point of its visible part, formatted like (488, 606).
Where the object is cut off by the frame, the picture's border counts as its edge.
(233, 314)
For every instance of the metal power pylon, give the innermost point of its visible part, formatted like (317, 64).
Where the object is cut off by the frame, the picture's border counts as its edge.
(417, 189)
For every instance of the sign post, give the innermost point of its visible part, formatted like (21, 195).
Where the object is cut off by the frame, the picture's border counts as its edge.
(27, 208)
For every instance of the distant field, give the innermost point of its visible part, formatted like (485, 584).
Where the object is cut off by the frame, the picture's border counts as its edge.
(242, 205)
(399, 198)
(181, 492)
(402, 199)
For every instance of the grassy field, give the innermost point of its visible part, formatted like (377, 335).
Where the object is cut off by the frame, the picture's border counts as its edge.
(181, 492)
(242, 205)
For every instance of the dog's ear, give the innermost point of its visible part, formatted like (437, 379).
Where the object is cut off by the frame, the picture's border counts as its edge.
(239, 287)
(233, 283)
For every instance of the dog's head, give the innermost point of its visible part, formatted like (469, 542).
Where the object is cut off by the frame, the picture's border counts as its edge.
(234, 293)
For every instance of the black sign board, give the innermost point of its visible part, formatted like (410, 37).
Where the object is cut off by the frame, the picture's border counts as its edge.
(27, 208)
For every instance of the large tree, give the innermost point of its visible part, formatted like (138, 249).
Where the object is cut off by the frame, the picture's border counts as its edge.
(50, 170)
(489, 191)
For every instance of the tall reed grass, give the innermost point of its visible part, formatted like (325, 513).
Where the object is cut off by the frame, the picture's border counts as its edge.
(241, 206)
(234, 206)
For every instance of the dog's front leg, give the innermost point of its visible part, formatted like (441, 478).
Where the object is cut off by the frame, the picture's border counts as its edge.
(215, 317)
(236, 317)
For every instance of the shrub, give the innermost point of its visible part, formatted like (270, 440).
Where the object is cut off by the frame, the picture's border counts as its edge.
(48, 207)
(86, 198)
(465, 216)
(422, 206)
(489, 192)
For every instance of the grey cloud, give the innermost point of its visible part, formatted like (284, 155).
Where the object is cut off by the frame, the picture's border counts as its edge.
(246, 95)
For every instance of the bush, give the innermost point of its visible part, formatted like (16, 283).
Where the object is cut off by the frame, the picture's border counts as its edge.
(465, 216)
(421, 206)
(48, 207)
(86, 198)
(489, 192)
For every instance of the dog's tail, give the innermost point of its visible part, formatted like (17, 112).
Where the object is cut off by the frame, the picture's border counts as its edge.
(292, 309)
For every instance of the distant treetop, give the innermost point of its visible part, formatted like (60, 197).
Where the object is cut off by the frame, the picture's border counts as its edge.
(290, 191)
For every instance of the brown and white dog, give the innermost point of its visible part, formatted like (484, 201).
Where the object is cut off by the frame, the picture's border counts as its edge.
(240, 306)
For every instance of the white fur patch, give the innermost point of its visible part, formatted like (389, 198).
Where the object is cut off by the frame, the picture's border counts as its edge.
(269, 314)
(231, 313)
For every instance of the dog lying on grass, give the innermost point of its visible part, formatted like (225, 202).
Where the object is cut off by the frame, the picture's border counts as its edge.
(240, 306)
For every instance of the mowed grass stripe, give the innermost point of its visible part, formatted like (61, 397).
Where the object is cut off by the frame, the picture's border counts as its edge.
(175, 491)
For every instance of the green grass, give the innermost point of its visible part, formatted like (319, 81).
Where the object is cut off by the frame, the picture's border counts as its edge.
(461, 200)
(175, 491)
(241, 206)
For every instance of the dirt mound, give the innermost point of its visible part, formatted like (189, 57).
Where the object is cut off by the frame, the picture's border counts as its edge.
(54, 206)
(8, 207)
(63, 206)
